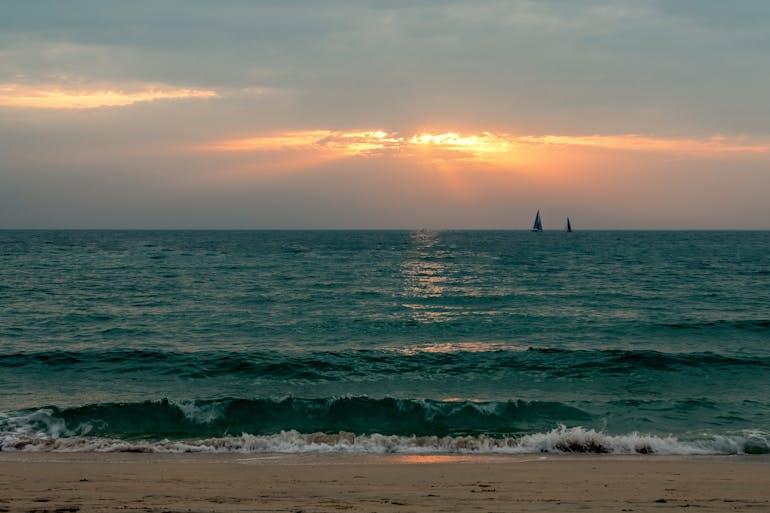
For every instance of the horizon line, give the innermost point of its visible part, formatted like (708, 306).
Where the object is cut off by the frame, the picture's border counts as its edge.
(400, 229)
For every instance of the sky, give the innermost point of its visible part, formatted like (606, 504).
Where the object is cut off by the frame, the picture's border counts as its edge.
(385, 114)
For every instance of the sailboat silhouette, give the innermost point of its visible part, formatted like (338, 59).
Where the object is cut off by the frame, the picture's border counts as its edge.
(538, 226)
(569, 226)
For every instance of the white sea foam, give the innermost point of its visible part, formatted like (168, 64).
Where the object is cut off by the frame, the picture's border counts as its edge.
(40, 423)
(559, 440)
(202, 413)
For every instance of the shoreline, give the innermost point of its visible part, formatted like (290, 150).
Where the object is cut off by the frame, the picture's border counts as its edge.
(59, 482)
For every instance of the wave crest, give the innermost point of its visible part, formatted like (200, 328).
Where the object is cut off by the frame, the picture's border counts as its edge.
(557, 441)
(344, 424)
(359, 414)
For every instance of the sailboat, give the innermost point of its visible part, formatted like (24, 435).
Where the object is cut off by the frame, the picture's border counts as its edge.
(569, 226)
(538, 226)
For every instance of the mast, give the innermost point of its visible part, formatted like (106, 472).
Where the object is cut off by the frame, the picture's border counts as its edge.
(538, 226)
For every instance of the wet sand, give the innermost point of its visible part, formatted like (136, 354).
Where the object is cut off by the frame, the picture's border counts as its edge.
(59, 483)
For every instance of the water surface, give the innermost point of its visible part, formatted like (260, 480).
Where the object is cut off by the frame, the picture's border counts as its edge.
(401, 340)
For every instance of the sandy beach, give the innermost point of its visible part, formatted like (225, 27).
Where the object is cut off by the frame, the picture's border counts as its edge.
(319, 483)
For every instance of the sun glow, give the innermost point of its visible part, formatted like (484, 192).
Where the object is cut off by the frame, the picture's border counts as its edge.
(371, 143)
(476, 144)
(494, 150)
(59, 97)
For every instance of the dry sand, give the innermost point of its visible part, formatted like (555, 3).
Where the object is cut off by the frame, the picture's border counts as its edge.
(310, 483)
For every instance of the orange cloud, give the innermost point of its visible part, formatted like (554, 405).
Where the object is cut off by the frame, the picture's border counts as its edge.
(477, 146)
(633, 142)
(364, 142)
(67, 97)
(441, 149)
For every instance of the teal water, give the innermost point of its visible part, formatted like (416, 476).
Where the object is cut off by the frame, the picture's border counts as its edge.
(385, 341)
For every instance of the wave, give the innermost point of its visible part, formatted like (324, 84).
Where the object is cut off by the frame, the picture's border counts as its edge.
(364, 415)
(345, 424)
(312, 366)
(759, 325)
(558, 440)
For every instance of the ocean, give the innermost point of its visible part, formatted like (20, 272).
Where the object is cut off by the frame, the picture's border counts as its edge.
(385, 341)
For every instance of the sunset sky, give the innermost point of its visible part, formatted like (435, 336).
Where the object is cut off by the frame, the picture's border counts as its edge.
(390, 114)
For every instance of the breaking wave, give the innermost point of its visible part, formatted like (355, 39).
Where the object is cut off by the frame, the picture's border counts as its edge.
(352, 424)
(361, 414)
(558, 440)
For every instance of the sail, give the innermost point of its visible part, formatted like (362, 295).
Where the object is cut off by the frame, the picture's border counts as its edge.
(538, 226)
(569, 225)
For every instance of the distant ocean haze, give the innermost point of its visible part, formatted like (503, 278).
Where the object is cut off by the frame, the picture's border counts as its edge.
(385, 341)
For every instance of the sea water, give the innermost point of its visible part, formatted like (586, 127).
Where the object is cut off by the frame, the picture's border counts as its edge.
(385, 341)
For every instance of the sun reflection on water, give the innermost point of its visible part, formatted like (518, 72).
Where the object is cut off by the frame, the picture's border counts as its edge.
(468, 346)
(424, 275)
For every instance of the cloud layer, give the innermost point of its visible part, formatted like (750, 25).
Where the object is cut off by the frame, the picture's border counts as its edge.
(374, 141)
(384, 114)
